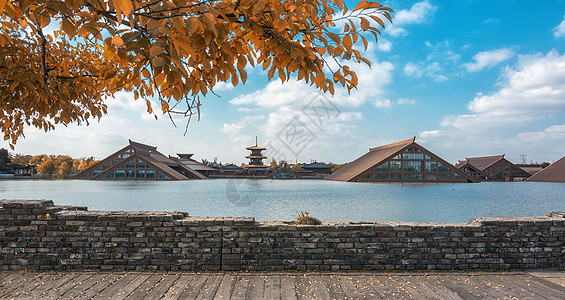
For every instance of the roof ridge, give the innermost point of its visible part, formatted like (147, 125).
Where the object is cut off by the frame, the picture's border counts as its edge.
(488, 156)
(138, 144)
(408, 141)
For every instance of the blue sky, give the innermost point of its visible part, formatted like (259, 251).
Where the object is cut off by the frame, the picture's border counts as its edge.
(466, 78)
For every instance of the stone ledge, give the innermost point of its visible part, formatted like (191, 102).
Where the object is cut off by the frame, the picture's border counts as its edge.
(38, 235)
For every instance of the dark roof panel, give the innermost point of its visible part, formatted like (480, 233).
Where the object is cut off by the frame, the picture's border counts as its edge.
(316, 165)
(484, 161)
(552, 173)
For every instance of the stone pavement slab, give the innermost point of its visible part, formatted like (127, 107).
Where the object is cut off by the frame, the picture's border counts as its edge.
(537, 284)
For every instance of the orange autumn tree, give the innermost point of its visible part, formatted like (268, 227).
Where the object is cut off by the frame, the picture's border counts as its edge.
(60, 60)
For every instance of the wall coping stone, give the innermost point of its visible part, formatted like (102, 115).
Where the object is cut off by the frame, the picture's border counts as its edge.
(67, 212)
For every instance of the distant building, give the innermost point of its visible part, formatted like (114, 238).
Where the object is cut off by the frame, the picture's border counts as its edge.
(404, 161)
(531, 168)
(256, 166)
(231, 169)
(285, 172)
(18, 170)
(186, 159)
(552, 173)
(492, 168)
(138, 161)
(472, 171)
(316, 170)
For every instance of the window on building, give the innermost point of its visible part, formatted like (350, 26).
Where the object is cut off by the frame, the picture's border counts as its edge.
(120, 174)
(381, 177)
(382, 168)
(412, 165)
(366, 177)
(130, 164)
(458, 177)
(161, 175)
(150, 174)
(413, 177)
(413, 155)
(431, 166)
(442, 168)
(395, 166)
(444, 177)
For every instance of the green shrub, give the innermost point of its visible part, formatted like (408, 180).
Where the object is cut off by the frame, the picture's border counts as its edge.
(304, 218)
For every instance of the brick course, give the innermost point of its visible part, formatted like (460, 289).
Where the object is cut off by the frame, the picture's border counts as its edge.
(38, 235)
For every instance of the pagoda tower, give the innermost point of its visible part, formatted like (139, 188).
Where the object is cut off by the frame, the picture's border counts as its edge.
(256, 158)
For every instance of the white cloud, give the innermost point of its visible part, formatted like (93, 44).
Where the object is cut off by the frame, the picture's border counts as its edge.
(396, 31)
(553, 132)
(431, 134)
(491, 21)
(294, 95)
(413, 70)
(244, 109)
(404, 101)
(559, 30)
(383, 103)
(282, 103)
(276, 94)
(223, 86)
(350, 116)
(433, 70)
(384, 45)
(488, 59)
(532, 90)
(419, 13)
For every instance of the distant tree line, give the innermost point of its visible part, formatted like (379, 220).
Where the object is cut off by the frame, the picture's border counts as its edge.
(61, 165)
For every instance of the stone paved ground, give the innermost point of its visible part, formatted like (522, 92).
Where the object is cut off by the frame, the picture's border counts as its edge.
(542, 284)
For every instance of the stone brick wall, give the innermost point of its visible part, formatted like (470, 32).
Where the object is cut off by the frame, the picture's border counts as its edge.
(37, 235)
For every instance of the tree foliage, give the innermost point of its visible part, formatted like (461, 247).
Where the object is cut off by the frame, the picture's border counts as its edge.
(61, 165)
(4, 157)
(172, 51)
(48, 167)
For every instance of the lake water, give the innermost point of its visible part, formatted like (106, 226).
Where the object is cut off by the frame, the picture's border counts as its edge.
(283, 199)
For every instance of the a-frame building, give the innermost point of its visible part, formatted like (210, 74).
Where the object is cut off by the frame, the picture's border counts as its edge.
(552, 173)
(492, 168)
(473, 171)
(138, 161)
(404, 161)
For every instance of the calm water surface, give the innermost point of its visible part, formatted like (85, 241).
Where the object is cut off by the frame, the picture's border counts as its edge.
(282, 199)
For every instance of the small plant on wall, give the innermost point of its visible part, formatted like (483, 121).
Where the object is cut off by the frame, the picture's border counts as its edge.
(304, 218)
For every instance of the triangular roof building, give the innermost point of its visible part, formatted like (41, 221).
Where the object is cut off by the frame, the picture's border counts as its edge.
(404, 161)
(138, 161)
(552, 173)
(492, 168)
